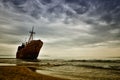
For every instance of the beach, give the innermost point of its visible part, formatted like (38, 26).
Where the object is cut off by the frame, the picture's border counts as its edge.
(22, 73)
(15, 69)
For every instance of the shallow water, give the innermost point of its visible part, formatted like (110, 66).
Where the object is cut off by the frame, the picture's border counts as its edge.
(71, 69)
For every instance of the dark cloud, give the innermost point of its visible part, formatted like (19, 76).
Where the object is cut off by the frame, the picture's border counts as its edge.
(45, 2)
(68, 22)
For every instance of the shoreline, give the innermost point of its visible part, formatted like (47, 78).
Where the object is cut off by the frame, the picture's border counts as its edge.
(23, 73)
(14, 69)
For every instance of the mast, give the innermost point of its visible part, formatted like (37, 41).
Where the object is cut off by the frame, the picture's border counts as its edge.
(31, 35)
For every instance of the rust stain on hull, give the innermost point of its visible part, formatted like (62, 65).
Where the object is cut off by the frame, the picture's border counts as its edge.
(30, 51)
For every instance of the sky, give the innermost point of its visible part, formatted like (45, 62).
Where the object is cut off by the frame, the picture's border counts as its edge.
(68, 28)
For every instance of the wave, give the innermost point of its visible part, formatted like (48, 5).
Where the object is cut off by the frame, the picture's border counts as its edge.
(111, 61)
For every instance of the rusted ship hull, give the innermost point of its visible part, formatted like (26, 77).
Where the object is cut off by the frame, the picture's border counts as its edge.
(30, 50)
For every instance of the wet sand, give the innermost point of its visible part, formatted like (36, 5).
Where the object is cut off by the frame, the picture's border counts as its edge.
(23, 73)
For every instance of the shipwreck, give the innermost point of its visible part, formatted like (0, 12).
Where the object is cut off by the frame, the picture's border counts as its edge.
(29, 49)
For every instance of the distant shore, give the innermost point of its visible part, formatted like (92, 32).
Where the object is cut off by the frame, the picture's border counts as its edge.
(23, 73)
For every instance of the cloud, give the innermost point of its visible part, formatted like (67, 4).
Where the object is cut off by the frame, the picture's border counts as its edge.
(65, 23)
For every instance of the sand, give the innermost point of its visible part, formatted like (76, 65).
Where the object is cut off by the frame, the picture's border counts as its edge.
(23, 73)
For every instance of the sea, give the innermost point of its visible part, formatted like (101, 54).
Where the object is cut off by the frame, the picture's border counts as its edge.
(73, 69)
